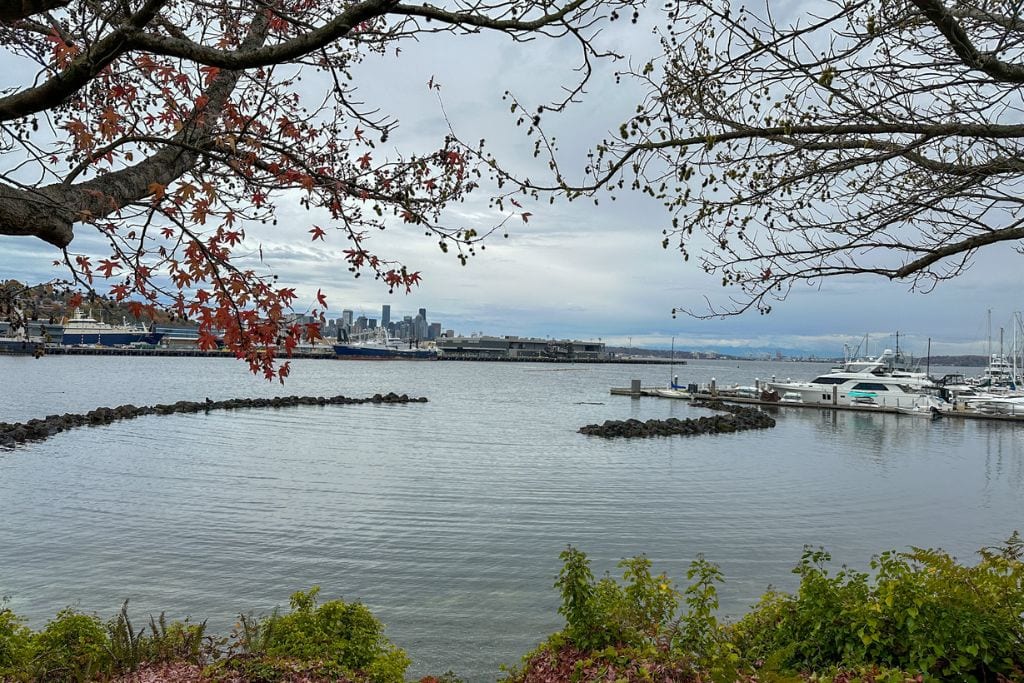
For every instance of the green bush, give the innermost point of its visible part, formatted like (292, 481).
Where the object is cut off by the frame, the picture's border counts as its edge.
(72, 647)
(604, 613)
(15, 644)
(338, 638)
(179, 641)
(923, 612)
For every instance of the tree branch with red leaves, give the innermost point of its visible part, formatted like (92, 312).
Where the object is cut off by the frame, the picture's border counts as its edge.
(174, 130)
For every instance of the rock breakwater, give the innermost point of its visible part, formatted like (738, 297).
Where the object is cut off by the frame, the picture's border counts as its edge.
(39, 429)
(737, 419)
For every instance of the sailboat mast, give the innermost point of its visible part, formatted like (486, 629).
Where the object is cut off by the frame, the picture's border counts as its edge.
(989, 351)
(672, 366)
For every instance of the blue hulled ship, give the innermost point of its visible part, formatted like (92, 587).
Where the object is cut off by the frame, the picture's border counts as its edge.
(381, 349)
(82, 330)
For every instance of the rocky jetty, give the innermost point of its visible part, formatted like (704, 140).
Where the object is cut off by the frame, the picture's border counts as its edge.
(736, 419)
(37, 430)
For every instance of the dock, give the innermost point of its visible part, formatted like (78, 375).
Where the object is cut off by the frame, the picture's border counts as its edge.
(706, 394)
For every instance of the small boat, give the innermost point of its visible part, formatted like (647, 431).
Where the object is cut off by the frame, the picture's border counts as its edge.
(931, 412)
(675, 389)
(997, 405)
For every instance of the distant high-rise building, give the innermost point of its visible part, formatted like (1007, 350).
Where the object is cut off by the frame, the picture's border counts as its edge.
(360, 323)
(385, 315)
(433, 330)
(423, 314)
(346, 318)
(373, 323)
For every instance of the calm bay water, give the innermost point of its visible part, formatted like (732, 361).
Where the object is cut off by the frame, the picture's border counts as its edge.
(447, 518)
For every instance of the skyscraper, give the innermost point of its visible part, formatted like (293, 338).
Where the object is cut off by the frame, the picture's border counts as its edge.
(423, 314)
(385, 315)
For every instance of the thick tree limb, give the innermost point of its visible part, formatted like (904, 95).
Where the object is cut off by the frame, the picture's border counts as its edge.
(960, 42)
(49, 212)
(969, 244)
(16, 10)
(82, 69)
(132, 36)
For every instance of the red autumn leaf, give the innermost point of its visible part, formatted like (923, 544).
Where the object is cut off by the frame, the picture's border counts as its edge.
(318, 233)
(321, 299)
(209, 73)
(107, 267)
(526, 216)
(364, 161)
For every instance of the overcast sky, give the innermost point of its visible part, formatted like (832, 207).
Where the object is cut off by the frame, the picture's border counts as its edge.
(579, 270)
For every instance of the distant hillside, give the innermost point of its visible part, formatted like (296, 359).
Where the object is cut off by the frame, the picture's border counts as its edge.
(50, 303)
(961, 361)
(965, 361)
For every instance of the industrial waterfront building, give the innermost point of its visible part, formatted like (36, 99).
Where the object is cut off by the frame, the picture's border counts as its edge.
(520, 348)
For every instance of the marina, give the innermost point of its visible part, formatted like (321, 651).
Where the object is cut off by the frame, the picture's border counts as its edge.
(728, 395)
(881, 385)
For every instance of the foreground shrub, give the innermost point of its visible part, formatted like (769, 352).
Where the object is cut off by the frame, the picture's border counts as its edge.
(631, 630)
(922, 612)
(15, 643)
(337, 639)
(72, 647)
(919, 615)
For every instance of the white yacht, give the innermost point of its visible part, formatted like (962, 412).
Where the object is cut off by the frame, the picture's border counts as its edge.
(872, 383)
(998, 374)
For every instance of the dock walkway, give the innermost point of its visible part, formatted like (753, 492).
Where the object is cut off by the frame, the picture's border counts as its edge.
(959, 412)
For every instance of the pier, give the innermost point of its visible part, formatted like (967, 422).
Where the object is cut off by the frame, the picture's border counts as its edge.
(706, 393)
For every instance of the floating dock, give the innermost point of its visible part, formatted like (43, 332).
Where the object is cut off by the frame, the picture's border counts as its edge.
(705, 394)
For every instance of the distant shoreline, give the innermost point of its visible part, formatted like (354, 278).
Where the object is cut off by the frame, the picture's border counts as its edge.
(324, 354)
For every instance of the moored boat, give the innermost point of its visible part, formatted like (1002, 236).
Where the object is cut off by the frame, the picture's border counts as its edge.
(873, 384)
(27, 346)
(381, 349)
(83, 330)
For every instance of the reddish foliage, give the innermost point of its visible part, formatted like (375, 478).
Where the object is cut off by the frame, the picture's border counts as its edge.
(173, 153)
(570, 664)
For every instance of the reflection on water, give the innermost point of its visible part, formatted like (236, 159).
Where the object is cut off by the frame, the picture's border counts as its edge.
(447, 518)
